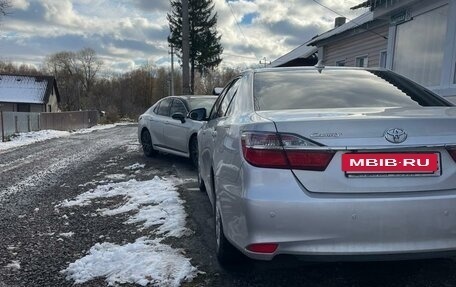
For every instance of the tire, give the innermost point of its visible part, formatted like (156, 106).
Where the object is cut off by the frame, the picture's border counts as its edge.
(147, 146)
(227, 254)
(193, 151)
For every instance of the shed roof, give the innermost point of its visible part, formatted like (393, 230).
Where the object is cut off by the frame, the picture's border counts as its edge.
(26, 89)
(302, 51)
(360, 20)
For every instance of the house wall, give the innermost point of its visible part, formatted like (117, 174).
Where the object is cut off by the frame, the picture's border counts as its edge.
(367, 43)
(12, 107)
(7, 107)
(52, 102)
(447, 85)
(36, 108)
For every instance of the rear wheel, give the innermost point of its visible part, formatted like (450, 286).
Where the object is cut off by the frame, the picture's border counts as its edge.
(227, 254)
(193, 151)
(147, 146)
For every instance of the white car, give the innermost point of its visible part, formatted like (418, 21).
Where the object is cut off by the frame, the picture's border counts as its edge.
(167, 127)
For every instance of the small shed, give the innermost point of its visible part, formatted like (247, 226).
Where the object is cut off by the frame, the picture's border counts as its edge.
(21, 93)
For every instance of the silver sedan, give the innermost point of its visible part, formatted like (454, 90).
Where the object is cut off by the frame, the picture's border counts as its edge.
(330, 164)
(167, 126)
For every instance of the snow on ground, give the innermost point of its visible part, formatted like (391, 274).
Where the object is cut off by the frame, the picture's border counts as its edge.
(14, 265)
(142, 262)
(100, 127)
(153, 203)
(116, 176)
(135, 166)
(156, 202)
(22, 139)
(66, 234)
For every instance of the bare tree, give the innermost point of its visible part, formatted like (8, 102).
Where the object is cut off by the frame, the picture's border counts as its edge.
(4, 6)
(89, 66)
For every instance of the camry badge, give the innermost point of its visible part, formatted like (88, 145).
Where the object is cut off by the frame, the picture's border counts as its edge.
(395, 135)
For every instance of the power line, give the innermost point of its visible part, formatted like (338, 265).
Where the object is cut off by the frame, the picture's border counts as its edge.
(350, 20)
(239, 56)
(239, 26)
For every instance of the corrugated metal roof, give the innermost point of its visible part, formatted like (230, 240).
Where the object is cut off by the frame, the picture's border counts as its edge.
(23, 89)
(302, 51)
(364, 18)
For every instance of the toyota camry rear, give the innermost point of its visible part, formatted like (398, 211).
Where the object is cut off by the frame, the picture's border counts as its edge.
(335, 164)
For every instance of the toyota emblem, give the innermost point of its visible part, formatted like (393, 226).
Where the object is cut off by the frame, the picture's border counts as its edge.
(395, 135)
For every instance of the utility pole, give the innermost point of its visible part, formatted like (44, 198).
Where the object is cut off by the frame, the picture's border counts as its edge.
(265, 62)
(185, 49)
(172, 70)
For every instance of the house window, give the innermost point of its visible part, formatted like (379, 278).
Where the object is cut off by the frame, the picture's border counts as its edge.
(340, 63)
(362, 61)
(383, 55)
(419, 47)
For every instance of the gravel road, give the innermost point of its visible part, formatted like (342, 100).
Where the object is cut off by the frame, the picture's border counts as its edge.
(35, 245)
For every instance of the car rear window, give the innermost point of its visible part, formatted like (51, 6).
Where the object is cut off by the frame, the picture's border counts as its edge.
(310, 89)
(206, 103)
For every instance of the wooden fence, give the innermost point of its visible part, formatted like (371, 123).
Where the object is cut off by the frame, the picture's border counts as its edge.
(15, 122)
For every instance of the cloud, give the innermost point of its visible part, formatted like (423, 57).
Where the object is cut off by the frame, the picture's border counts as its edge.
(125, 33)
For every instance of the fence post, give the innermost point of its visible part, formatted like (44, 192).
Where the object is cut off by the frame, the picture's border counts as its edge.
(15, 124)
(3, 126)
(28, 122)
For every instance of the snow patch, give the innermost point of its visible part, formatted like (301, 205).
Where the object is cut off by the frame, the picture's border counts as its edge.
(23, 139)
(15, 264)
(156, 202)
(142, 262)
(117, 176)
(135, 166)
(66, 234)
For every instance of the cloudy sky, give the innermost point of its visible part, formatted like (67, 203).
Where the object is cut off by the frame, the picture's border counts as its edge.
(128, 33)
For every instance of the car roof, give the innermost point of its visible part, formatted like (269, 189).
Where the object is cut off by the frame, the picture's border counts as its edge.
(188, 97)
(313, 68)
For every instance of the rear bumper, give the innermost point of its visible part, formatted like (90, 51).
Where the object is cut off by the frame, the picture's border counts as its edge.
(339, 227)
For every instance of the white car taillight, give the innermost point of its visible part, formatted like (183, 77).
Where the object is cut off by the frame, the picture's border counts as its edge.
(276, 150)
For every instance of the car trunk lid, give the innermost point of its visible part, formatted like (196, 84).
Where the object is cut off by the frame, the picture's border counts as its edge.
(368, 131)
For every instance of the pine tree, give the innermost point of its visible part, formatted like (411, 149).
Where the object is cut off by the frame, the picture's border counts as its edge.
(205, 47)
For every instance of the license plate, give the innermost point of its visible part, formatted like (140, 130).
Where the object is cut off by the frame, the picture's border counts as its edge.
(390, 163)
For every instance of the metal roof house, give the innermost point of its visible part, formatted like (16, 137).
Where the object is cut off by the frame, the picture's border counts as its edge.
(421, 40)
(20, 93)
(301, 56)
(415, 38)
(361, 42)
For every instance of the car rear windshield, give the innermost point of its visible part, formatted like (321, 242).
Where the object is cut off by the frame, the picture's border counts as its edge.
(310, 89)
(205, 102)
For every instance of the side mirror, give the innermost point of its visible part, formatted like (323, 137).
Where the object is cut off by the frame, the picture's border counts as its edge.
(179, 117)
(198, 114)
(217, 91)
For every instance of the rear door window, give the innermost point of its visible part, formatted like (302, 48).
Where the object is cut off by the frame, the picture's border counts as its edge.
(163, 109)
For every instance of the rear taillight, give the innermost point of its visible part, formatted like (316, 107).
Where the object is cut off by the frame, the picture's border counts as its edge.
(273, 150)
(263, 247)
(452, 151)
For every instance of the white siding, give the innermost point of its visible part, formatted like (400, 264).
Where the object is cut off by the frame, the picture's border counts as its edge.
(52, 102)
(366, 43)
